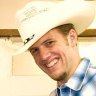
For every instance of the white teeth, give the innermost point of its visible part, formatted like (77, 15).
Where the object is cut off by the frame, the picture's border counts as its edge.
(52, 63)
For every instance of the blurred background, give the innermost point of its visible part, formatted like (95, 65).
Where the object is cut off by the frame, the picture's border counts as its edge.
(19, 75)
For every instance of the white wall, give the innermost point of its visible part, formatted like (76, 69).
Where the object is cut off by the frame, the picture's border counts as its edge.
(36, 84)
(19, 76)
(88, 49)
(26, 86)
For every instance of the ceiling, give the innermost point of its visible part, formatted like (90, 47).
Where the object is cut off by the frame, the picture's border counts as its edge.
(8, 9)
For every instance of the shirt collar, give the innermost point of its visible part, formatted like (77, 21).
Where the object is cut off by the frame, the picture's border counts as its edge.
(76, 80)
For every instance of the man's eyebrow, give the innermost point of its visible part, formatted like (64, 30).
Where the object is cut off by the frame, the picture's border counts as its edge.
(31, 48)
(46, 41)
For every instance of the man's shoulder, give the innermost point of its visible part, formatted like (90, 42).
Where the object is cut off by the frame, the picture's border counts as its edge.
(91, 74)
(92, 70)
(89, 82)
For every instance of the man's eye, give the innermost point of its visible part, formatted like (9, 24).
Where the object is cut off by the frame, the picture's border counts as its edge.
(50, 43)
(34, 51)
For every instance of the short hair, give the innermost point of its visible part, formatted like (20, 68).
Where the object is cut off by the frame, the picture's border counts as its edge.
(65, 28)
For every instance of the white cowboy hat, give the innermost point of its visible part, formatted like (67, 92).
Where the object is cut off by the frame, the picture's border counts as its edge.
(38, 17)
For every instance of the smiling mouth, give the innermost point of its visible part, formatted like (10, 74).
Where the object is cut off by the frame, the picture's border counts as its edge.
(52, 63)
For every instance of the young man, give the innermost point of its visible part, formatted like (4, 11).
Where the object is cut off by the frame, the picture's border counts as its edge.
(50, 32)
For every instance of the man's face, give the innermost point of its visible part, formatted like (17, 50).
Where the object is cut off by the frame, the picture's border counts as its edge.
(52, 53)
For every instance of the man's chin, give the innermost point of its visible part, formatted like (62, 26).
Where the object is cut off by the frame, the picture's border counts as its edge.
(60, 77)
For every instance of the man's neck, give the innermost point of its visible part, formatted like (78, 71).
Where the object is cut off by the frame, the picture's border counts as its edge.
(62, 82)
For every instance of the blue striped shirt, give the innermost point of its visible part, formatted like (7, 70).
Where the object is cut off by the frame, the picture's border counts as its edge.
(81, 83)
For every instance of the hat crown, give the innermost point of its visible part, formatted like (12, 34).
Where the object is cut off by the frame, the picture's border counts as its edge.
(32, 9)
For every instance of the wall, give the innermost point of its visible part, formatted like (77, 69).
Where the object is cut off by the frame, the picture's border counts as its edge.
(19, 75)
(24, 84)
(87, 48)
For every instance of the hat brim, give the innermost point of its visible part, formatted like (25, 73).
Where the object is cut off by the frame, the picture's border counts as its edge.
(80, 15)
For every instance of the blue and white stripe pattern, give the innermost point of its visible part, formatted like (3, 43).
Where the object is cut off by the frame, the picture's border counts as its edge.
(81, 83)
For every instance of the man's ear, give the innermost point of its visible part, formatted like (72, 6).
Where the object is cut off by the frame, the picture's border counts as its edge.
(72, 38)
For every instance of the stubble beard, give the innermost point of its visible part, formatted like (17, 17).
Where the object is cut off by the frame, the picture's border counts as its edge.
(62, 77)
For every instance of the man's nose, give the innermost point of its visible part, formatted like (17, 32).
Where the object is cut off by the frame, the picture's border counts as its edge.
(44, 53)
